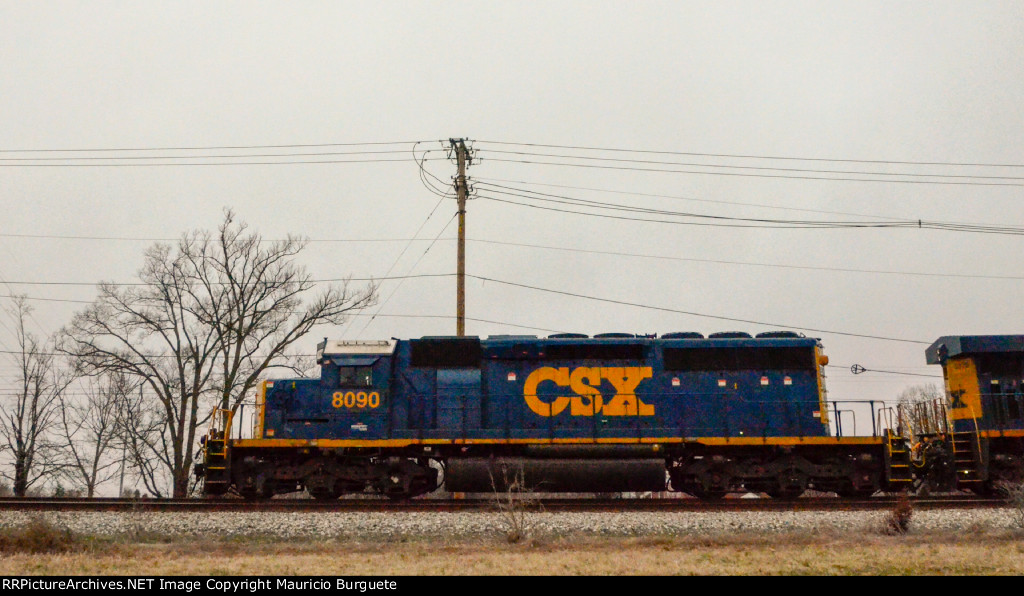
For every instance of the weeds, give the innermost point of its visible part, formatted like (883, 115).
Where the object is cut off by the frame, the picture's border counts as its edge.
(514, 504)
(39, 535)
(897, 522)
(1013, 492)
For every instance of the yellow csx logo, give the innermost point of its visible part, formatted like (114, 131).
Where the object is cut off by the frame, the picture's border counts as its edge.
(584, 382)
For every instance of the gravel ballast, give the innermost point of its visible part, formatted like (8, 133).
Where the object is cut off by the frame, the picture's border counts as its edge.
(462, 524)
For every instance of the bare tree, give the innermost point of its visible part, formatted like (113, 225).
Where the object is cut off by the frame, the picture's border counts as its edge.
(31, 412)
(921, 409)
(211, 315)
(250, 292)
(144, 438)
(90, 432)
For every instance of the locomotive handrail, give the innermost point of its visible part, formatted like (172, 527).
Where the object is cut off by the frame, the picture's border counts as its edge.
(977, 431)
(886, 416)
(220, 424)
(839, 420)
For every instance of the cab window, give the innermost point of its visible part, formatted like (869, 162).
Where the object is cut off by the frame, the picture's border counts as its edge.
(355, 375)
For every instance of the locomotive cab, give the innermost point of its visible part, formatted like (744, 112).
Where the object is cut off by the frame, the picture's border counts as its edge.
(984, 379)
(348, 401)
(355, 386)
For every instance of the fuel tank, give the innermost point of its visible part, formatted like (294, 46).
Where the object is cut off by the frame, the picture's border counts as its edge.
(499, 474)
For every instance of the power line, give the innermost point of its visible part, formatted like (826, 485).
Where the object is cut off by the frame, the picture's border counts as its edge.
(222, 156)
(75, 283)
(743, 156)
(210, 147)
(679, 198)
(48, 299)
(764, 168)
(140, 239)
(573, 250)
(569, 200)
(890, 372)
(383, 315)
(401, 254)
(691, 313)
(226, 163)
(750, 175)
(746, 222)
(411, 269)
(747, 263)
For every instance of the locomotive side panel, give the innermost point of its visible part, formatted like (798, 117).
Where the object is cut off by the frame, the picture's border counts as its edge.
(744, 388)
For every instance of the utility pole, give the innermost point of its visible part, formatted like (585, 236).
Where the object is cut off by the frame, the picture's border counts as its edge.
(463, 159)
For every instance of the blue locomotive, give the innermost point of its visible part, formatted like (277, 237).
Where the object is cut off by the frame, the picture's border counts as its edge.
(565, 413)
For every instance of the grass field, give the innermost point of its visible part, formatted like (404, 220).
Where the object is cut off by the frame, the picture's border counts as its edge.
(986, 552)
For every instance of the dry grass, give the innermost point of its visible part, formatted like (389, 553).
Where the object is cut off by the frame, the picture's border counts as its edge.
(991, 553)
(1014, 494)
(39, 535)
(898, 520)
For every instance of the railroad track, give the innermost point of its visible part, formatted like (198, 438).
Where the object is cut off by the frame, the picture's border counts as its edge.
(490, 504)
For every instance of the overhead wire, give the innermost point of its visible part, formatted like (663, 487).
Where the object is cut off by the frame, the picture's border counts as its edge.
(221, 156)
(212, 163)
(692, 313)
(569, 200)
(753, 156)
(720, 220)
(210, 147)
(437, 191)
(545, 247)
(748, 174)
(329, 280)
(443, 194)
(681, 198)
(744, 263)
(891, 372)
(411, 269)
(739, 167)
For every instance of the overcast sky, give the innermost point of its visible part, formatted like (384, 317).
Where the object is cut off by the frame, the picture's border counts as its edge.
(875, 95)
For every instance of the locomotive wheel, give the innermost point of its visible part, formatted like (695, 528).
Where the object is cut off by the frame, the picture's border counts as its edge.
(407, 479)
(789, 485)
(708, 495)
(704, 494)
(216, 490)
(324, 487)
(854, 493)
(989, 490)
(256, 487)
(251, 493)
(785, 494)
(324, 495)
(395, 484)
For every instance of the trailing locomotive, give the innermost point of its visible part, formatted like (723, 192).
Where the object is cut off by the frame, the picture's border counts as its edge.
(565, 413)
(977, 433)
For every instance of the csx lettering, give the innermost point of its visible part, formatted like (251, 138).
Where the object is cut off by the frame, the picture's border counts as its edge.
(587, 400)
(957, 399)
(352, 399)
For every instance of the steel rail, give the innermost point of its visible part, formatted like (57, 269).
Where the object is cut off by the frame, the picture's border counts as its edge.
(527, 502)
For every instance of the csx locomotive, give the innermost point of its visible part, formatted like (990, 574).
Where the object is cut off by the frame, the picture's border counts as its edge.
(614, 413)
(565, 413)
(979, 442)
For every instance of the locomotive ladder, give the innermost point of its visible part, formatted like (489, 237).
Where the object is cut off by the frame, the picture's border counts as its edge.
(216, 455)
(966, 448)
(967, 455)
(897, 460)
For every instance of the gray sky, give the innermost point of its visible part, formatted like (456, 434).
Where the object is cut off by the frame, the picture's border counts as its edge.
(874, 83)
